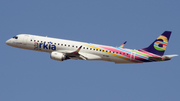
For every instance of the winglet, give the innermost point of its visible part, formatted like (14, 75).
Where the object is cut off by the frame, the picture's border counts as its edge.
(77, 51)
(122, 45)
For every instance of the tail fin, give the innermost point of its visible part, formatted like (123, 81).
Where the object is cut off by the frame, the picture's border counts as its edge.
(158, 47)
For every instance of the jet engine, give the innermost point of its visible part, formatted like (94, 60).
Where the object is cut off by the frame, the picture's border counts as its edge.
(58, 56)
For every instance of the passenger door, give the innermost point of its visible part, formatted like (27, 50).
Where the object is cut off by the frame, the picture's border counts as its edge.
(133, 54)
(25, 39)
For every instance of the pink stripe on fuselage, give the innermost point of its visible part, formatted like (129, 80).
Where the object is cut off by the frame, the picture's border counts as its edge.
(110, 48)
(145, 52)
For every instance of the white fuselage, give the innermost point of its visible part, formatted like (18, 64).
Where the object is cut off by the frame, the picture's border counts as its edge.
(61, 49)
(47, 44)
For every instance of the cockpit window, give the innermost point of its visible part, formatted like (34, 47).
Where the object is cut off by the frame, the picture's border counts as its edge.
(15, 37)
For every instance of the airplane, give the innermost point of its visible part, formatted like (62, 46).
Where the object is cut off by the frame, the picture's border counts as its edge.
(61, 49)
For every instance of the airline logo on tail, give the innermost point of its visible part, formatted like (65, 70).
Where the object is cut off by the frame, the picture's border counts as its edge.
(161, 43)
(158, 47)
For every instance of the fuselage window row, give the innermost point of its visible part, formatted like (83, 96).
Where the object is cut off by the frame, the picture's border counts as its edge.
(83, 47)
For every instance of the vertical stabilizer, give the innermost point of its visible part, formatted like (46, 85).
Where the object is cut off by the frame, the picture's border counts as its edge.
(158, 47)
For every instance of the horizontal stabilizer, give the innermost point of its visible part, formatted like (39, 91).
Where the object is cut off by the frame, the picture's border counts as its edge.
(171, 55)
(156, 58)
(163, 58)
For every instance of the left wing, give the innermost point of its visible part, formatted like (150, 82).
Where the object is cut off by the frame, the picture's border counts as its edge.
(61, 55)
(75, 54)
(122, 45)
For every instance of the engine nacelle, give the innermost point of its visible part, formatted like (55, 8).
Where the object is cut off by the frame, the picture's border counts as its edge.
(58, 56)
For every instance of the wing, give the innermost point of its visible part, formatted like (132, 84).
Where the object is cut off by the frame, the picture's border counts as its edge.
(68, 54)
(75, 54)
(122, 45)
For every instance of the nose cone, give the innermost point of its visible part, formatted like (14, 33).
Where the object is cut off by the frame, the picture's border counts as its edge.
(8, 42)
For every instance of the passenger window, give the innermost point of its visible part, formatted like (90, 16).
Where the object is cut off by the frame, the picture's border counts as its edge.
(55, 43)
(68, 45)
(83, 47)
(58, 43)
(31, 39)
(34, 40)
(61, 44)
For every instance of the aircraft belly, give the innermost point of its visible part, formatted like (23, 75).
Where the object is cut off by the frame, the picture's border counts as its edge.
(120, 60)
(90, 56)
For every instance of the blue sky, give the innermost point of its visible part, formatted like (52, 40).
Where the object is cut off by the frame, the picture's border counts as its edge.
(32, 76)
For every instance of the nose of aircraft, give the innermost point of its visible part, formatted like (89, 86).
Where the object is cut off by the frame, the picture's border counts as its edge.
(8, 42)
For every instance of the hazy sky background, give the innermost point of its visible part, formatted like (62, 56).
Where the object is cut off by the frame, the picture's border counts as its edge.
(32, 76)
